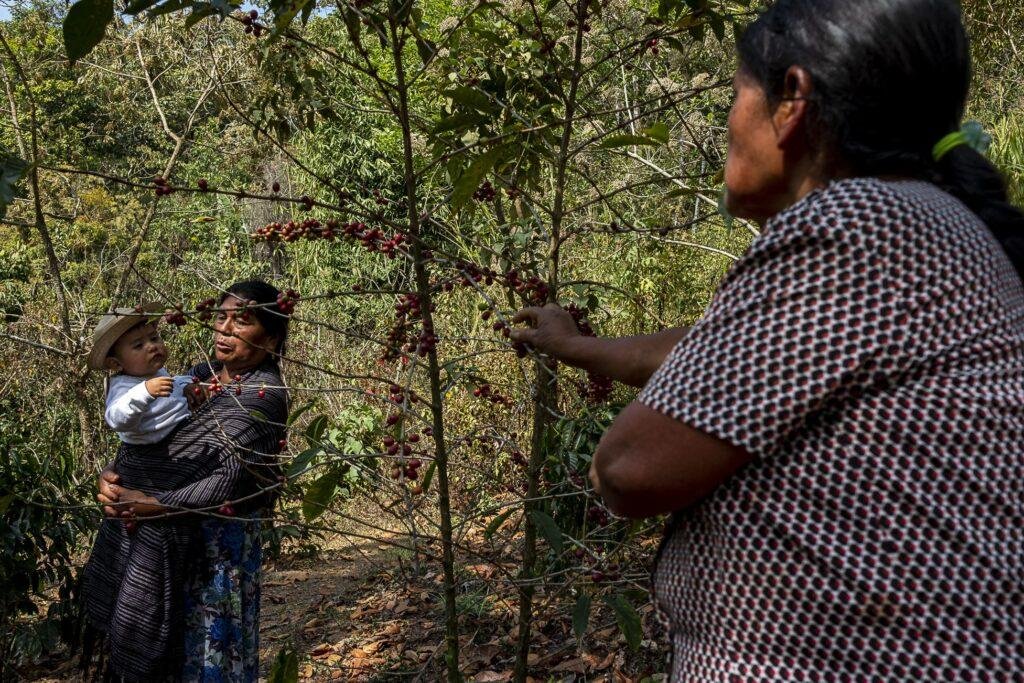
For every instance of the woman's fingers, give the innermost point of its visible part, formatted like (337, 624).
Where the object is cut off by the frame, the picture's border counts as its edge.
(110, 476)
(524, 335)
(527, 315)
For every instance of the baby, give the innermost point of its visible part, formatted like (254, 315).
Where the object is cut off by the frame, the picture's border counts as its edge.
(144, 403)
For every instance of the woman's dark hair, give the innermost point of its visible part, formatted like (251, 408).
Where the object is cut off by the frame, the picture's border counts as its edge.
(269, 316)
(890, 79)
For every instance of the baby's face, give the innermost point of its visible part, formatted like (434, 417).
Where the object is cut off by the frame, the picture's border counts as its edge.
(140, 352)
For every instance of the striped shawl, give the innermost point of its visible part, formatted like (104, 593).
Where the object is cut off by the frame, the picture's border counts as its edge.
(133, 584)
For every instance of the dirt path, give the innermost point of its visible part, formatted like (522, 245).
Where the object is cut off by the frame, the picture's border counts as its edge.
(355, 611)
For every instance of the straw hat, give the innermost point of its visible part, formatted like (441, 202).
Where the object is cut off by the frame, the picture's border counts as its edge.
(112, 325)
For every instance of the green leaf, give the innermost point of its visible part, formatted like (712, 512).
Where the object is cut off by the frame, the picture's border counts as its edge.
(627, 140)
(470, 97)
(458, 122)
(302, 460)
(285, 668)
(319, 495)
(84, 26)
(168, 7)
(680, 192)
(547, 527)
(286, 13)
(297, 413)
(11, 171)
(426, 49)
(627, 618)
(581, 615)
(495, 523)
(429, 476)
(470, 179)
(134, 8)
(659, 132)
(726, 216)
(977, 138)
(353, 24)
(315, 430)
(717, 26)
(199, 13)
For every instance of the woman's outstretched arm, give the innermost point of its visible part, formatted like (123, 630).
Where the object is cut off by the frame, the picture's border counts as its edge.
(630, 360)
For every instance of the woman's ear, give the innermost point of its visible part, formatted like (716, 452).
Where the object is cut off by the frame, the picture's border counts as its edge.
(790, 115)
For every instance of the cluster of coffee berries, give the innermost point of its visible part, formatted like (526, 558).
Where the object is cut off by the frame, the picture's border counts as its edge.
(204, 309)
(598, 387)
(162, 188)
(400, 397)
(407, 466)
(310, 229)
(609, 573)
(597, 515)
(652, 45)
(486, 392)
(485, 193)
(286, 301)
(227, 510)
(214, 386)
(425, 343)
(379, 198)
(373, 239)
(251, 25)
(175, 316)
(519, 459)
(407, 310)
(533, 289)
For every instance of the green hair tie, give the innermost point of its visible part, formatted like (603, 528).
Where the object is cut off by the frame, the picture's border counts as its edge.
(971, 134)
(947, 144)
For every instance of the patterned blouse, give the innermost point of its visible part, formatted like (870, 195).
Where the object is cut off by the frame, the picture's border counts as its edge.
(868, 352)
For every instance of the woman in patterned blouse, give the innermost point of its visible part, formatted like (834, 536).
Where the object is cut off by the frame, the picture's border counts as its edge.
(842, 435)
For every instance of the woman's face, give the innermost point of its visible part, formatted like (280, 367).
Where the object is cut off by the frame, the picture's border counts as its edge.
(755, 178)
(239, 340)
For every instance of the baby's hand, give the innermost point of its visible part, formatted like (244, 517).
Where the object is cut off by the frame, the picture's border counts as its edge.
(159, 386)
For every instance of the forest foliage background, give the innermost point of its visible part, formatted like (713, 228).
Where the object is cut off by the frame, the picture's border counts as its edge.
(579, 144)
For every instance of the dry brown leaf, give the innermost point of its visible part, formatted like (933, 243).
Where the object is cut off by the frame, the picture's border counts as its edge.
(392, 629)
(306, 671)
(482, 654)
(599, 664)
(313, 623)
(532, 658)
(371, 648)
(577, 665)
(492, 677)
(321, 650)
(336, 675)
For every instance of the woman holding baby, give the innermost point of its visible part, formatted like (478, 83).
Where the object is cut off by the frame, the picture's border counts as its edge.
(173, 583)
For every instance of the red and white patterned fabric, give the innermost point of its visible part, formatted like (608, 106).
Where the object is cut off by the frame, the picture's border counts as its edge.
(868, 352)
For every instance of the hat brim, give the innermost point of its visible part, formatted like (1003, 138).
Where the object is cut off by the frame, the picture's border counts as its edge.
(128, 318)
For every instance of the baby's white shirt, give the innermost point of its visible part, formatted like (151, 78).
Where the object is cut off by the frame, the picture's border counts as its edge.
(137, 416)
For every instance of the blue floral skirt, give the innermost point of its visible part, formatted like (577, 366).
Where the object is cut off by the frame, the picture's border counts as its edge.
(222, 605)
